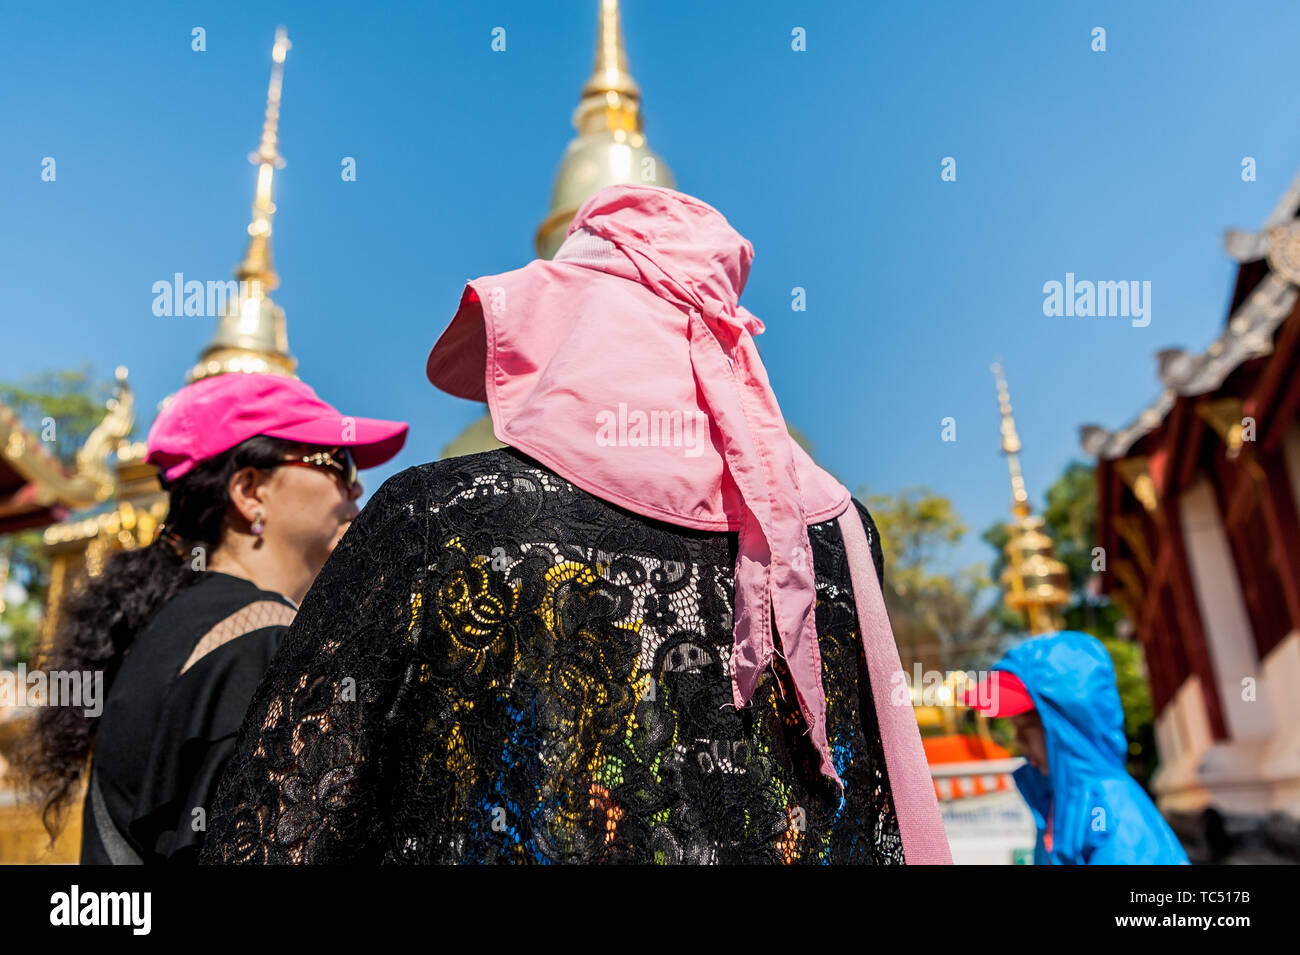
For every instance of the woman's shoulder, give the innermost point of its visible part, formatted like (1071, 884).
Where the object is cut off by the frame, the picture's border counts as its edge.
(212, 606)
(441, 488)
(442, 478)
(215, 591)
(246, 636)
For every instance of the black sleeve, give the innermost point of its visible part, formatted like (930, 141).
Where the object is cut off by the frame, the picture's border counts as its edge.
(306, 781)
(873, 538)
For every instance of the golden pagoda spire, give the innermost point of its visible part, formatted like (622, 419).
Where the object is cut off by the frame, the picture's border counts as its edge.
(1011, 446)
(610, 99)
(252, 335)
(1035, 583)
(610, 146)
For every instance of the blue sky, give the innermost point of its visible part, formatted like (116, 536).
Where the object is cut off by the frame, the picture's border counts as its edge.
(1122, 165)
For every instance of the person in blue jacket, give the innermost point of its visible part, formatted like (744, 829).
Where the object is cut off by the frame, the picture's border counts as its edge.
(1059, 691)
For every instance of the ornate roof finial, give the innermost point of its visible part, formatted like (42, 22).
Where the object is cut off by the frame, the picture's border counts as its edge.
(252, 335)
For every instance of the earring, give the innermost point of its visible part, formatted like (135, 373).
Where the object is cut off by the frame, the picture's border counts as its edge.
(259, 524)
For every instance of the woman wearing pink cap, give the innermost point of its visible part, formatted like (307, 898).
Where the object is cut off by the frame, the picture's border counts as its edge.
(648, 630)
(261, 477)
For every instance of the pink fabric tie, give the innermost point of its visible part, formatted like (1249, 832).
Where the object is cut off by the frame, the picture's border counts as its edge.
(911, 788)
(774, 572)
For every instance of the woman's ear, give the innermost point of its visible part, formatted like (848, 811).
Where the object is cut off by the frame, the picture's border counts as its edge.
(247, 490)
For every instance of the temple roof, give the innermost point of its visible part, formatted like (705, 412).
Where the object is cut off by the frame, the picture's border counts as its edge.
(1264, 295)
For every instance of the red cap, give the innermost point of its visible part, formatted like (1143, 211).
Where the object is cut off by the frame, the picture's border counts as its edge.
(1002, 694)
(214, 414)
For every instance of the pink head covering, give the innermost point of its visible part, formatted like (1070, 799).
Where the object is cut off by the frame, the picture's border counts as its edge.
(215, 414)
(627, 366)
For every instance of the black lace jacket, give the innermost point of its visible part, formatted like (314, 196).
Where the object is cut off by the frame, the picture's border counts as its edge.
(496, 666)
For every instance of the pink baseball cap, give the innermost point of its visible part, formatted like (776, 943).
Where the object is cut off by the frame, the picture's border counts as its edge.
(1001, 694)
(214, 414)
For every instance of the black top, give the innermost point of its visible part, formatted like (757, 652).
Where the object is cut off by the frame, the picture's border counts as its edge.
(496, 666)
(165, 736)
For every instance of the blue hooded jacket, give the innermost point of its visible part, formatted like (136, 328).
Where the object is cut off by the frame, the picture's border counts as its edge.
(1101, 816)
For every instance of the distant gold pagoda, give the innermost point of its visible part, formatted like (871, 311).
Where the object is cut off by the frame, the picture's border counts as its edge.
(610, 148)
(1034, 583)
(252, 335)
(122, 503)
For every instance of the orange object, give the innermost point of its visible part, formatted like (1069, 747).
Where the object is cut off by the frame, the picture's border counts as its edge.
(960, 748)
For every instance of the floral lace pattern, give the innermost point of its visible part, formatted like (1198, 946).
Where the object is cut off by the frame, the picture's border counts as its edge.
(496, 666)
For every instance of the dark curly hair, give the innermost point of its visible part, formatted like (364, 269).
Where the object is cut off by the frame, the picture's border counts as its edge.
(100, 620)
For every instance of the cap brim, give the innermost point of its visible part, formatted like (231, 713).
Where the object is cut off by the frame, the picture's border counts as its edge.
(1001, 695)
(373, 440)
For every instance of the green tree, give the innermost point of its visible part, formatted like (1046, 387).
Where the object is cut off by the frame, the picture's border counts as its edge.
(1135, 697)
(73, 402)
(71, 399)
(940, 618)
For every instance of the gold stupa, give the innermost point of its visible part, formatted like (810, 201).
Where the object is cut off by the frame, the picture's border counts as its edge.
(252, 335)
(1034, 583)
(610, 148)
(119, 505)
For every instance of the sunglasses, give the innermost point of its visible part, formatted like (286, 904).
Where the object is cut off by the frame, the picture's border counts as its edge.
(339, 460)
